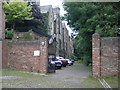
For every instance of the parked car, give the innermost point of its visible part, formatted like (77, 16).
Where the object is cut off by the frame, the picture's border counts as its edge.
(76, 59)
(51, 66)
(69, 62)
(56, 63)
(64, 61)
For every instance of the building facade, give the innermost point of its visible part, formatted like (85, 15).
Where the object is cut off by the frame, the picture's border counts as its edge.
(57, 30)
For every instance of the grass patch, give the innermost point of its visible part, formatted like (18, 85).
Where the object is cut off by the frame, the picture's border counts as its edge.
(13, 72)
(91, 82)
(78, 62)
(112, 81)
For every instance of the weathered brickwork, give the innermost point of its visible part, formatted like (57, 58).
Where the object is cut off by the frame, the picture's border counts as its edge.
(109, 56)
(2, 31)
(96, 55)
(0, 54)
(0, 34)
(5, 50)
(105, 56)
(21, 56)
(2, 24)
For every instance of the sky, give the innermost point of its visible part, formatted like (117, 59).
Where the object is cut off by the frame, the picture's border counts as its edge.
(56, 3)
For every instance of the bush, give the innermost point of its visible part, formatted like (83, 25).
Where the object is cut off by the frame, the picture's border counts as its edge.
(26, 37)
(9, 34)
(86, 60)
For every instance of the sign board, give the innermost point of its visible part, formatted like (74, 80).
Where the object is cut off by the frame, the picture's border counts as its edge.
(37, 53)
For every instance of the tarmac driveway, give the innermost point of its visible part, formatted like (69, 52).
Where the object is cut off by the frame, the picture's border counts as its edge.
(72, 74)
(67, 77)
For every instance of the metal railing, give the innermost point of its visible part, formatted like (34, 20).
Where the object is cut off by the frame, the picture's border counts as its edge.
(105, 84)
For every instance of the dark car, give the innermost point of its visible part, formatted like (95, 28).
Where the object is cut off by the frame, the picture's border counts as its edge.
(76, 59)
(51, 66)
(56, 63)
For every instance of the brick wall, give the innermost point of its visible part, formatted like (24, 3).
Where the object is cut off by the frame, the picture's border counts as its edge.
(2, 24)
(105, 55)
(0, 34)
(2, 30)
(0, 54)
(21, 56)
(5, 50)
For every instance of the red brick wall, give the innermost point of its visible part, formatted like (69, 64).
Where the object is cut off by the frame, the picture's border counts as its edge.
(109, 56)
(0, 54)
(5, 53)
(105, 55)
(21, 56)
(2, 24)
(2, 34)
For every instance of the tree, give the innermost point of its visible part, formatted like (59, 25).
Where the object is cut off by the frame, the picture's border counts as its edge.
(16, 12)
(88, 18)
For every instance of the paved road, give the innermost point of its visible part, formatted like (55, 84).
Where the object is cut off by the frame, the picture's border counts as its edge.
(73, 74)
(67, 77)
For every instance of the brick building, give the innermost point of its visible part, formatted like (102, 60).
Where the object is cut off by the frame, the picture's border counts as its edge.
(67, 42)
(62, 42)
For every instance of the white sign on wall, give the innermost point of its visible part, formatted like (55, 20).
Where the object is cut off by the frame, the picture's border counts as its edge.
(37, 53)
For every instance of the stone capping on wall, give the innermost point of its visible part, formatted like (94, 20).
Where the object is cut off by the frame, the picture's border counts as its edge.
(105, 56)
(25, 42)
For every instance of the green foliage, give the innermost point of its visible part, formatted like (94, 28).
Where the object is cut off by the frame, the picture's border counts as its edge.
(88, 18)
(73, 57)
(9, 34)
(17, 11)
(45, 24)
(26, 37)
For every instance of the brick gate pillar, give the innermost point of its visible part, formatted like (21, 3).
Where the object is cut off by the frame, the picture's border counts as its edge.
(0, 34)
(96, 55)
